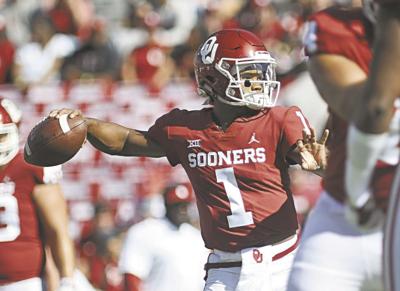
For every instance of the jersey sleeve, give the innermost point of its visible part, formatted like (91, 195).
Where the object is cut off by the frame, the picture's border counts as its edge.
(294, 123)
(136, 257)
(159, 133)
(320, 37)
(322, 32)
(48, 175)
(333, 31)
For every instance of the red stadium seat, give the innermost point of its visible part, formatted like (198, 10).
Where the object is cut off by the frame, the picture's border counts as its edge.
(86, 93)
(46, 94)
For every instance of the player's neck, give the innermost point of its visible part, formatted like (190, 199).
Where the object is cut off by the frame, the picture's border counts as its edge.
(224, 114)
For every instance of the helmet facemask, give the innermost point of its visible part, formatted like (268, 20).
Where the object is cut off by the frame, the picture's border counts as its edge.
(9, 142)
(252, 81)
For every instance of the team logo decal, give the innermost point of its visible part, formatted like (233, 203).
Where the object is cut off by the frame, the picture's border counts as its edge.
(257, 255)
(208, 50)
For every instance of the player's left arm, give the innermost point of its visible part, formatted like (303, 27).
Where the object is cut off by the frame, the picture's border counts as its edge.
(50, 272)
(375, 110)
(53, 215)
(368, 134)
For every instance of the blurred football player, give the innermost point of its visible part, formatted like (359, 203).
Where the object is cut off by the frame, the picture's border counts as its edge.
(236, 155)
(33, 214)
(372, 131)
(165, 253)
(340, 246)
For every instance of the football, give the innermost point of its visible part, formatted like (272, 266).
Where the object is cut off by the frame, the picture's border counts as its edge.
(54, 141)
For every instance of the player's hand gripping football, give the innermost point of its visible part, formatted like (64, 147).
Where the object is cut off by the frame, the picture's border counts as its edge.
(313, 153)
(56, 113)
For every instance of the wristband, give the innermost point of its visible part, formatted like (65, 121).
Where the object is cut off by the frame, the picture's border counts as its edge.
(66, 281)
(363, 150)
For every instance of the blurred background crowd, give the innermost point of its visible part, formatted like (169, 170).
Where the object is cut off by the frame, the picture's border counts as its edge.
(130, 61)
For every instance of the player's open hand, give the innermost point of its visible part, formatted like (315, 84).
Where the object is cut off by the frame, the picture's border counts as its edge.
(56, 113)
(314, 154)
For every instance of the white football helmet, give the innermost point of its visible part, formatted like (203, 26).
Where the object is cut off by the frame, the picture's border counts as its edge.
(10, 117)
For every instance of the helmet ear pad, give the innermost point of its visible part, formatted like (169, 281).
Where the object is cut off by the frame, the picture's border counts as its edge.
(214, 84)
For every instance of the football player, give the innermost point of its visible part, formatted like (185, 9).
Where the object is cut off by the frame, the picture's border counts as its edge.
(33, 214)
(166, 253)
(236, 154)
(371, 130)
(341, 247)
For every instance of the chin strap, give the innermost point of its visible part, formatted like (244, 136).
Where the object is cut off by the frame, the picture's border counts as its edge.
(233, 103)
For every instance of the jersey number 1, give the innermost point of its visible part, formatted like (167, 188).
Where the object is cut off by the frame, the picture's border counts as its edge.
(239, 216)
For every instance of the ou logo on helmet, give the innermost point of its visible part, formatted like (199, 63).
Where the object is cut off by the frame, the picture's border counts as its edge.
(208, 50)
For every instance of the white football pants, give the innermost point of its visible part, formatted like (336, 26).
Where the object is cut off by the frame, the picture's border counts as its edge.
(333, 255)
(32, 284)
(268, 275)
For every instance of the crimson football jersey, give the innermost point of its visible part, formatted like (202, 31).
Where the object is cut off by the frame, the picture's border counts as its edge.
(240, 176)
(348, 33)
(21, 248)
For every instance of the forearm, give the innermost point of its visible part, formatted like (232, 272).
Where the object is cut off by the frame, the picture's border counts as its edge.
(62, 251)
(115, 139)
(53, 214)
(106, 136)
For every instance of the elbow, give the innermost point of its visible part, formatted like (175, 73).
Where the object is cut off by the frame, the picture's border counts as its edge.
(115, 149)
(375, 111)
(374, 118)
